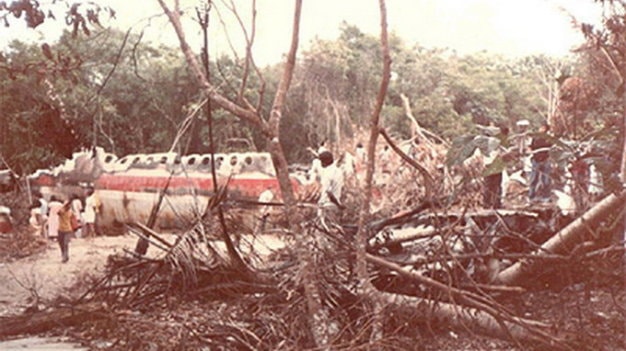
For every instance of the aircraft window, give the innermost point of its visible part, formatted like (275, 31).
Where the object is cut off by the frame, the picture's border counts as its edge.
(233, 160)
(108, 159)
(163, 159)
(206, 161)
(191, 161)
(136, 160)
(248, 160)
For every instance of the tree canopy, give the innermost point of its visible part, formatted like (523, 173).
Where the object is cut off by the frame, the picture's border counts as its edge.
(129, 96)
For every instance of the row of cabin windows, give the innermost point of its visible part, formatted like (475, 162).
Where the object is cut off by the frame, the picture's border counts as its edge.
(190, 161)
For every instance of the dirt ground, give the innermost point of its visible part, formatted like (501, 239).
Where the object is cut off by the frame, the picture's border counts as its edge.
(42, 277)
(591, 311)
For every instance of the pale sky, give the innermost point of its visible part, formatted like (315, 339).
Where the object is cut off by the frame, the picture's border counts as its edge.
(508, 27)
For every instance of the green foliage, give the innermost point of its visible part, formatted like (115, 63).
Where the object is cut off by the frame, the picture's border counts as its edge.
(130, 96)
(595, 104)
(31, 137)
(124, 95)
(448, 93)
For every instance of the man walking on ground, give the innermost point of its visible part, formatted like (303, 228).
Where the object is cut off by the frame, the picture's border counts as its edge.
(65, 230)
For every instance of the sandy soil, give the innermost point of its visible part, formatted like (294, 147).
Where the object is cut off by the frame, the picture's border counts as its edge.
(41, 277)
(40, 344)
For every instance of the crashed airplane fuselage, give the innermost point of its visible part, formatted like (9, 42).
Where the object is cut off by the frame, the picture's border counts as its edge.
(129, 187)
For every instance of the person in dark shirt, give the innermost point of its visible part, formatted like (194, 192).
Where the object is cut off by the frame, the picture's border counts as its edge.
(539, 189)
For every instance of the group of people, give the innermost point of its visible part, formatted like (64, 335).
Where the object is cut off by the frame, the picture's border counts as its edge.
(65, 218)
(534, 148)
(497, 153)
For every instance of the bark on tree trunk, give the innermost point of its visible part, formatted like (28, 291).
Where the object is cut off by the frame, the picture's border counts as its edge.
(623, 180)
(623, 170)
(464, 318)
(563, 241)
(40, 322)
(494, 320)
(364, 285)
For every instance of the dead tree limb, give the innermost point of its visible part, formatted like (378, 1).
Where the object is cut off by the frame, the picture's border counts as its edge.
(403, 217)
(467, 318)
(565, 240)
(151, 233)
(403, 235)
(43, 321)
(141, 248)
(473, 302)
(428, 179)
(417, 131)
(365, 286)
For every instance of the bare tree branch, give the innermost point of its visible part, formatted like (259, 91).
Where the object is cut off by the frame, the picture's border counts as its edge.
(243, 113)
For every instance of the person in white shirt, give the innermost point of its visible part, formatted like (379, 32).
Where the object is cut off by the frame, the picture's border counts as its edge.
(331, 185)
(54, 206)
(266, 196)
(76, 205)
(39, 215)
(92, 208)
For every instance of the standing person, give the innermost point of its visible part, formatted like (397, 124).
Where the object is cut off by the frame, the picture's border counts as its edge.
(539, 189)
(331, 185)
(494, 166)
(34, 219)
(53, 216)
(39, 214)
(92, 208)
(65, 230)
(522, 145)
(76, 205)
(265, 197)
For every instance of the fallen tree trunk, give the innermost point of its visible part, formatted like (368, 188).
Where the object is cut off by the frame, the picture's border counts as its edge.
(467, 318)
(494, 321)
(398, 236)
(564, 241)
(39, 322)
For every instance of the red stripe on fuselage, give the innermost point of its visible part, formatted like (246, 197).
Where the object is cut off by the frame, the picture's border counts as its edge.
(249, 187)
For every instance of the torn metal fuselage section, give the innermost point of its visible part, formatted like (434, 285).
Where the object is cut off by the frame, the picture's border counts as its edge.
(129, 187)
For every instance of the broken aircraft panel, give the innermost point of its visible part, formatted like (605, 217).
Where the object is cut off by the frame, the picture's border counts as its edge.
(129, 187)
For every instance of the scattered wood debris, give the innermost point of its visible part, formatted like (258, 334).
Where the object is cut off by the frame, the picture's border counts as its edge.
(441, 263)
